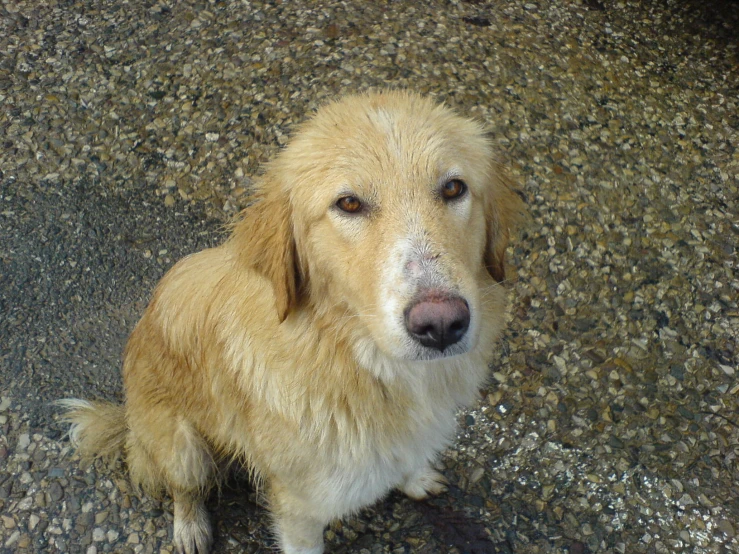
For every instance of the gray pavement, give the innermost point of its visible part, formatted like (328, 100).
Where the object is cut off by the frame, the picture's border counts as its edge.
(78, 267)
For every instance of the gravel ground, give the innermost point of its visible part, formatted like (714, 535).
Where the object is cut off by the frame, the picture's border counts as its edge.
(130, 131)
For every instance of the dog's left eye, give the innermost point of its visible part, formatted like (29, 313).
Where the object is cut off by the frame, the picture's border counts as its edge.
(453, 189)
(349, 204)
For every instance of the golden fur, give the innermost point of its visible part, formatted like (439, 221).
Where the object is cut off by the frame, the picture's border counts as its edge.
(287, 347)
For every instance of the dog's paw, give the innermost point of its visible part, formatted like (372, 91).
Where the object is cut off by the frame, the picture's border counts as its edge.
(289, 549)
(424, 483)
(192, 533)
(300, 536)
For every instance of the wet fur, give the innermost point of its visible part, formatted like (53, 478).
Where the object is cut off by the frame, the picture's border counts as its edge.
(273, 349)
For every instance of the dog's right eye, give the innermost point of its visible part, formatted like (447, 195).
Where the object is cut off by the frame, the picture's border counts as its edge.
(349, 204)
(453, 189)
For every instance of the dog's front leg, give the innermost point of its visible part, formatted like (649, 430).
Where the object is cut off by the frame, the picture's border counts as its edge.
(297, 529)
(192, 530)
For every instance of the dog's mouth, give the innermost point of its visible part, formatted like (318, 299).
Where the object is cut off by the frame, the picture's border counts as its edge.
(423, 354)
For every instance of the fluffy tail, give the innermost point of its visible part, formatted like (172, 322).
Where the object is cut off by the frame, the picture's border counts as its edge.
(98, 429)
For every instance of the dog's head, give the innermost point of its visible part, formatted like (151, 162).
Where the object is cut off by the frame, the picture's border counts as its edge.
(394, 210)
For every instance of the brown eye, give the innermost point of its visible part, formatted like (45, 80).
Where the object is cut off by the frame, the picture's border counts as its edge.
(453, 189)
(349, 204)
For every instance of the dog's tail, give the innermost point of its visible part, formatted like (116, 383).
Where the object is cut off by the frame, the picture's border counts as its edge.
(98, 429)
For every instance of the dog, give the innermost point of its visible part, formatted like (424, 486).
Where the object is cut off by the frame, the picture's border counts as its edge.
(328, 343)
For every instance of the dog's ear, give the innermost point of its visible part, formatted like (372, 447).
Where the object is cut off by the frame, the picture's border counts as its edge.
(263, 237)
(504, 209)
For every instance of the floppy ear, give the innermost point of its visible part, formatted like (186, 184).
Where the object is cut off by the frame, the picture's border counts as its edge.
(264, 239)
(504, 209)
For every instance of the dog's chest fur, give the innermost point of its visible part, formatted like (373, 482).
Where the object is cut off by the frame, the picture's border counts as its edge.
(346, 422)
(352, 431)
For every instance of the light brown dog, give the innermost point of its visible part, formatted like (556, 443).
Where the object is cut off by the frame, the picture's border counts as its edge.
(329, 342)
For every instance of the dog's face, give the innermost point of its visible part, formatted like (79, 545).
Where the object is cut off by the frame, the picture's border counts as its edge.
(396, 211)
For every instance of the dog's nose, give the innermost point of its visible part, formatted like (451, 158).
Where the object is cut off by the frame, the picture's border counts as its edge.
(438, 321)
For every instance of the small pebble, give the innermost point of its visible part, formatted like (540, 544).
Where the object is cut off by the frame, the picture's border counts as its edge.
(56, 492)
